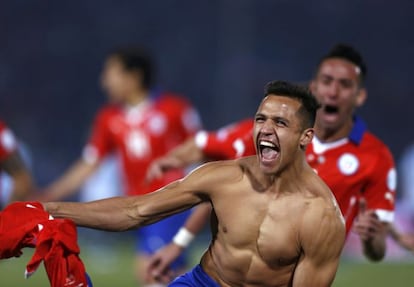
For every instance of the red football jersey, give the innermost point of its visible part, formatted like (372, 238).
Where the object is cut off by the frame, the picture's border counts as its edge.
(229, 142)
(358, 166)
(8, 142)
(141, 134)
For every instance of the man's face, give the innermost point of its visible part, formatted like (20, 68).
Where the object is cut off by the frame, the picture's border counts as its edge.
(336, 87)
(116, 81)
(277, 132)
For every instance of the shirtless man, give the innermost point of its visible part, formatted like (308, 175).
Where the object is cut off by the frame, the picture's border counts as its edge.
(353, 162)
(274, 223)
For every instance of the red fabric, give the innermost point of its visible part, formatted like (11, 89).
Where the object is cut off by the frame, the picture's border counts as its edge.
(368, 174)
(27, 224)
(18, 227)
(56, 246)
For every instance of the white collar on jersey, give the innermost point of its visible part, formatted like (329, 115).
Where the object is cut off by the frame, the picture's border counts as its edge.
(320, 147)
(134, 113)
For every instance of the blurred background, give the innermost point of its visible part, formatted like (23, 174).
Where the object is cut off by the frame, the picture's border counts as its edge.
(219, 54)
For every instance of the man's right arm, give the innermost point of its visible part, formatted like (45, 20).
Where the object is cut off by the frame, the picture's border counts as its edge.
(124, 213)
(70, 182)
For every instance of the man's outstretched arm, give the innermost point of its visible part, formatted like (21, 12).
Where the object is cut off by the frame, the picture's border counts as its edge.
(124, 213)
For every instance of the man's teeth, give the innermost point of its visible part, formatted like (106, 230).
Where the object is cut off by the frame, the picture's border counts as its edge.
(268, 144)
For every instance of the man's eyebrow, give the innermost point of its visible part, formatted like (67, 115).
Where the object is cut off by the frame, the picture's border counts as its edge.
(280, 118)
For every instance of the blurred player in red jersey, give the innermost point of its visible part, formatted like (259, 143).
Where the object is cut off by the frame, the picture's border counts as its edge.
(140, 125)
(12, 163)
(356, 165)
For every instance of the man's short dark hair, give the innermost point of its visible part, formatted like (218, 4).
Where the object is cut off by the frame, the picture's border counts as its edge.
(301, 93)
(350, 54)
(136, 59)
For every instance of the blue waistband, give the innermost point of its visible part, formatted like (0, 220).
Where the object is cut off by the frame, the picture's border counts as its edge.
(197, 277)
(201, 276)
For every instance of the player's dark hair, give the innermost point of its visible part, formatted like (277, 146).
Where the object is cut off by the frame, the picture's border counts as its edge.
(348, 53)
(136, 59)
(301, 93)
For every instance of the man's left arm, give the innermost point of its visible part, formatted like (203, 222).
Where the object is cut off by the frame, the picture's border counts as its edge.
(372, 232)
(376, 208)
(321, 248)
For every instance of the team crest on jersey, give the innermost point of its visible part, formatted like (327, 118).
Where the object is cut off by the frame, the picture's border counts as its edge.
(392, 179)
(348, 164)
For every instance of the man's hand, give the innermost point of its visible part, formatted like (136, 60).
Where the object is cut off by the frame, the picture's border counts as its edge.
(367, 225)
(159, 263)
(161, 165)
(185, 154)
(371, 231)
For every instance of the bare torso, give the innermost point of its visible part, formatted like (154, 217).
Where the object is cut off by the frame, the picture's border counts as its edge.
(257, 229)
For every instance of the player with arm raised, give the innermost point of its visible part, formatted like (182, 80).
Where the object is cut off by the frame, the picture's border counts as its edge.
(275, 222)
(356, 165)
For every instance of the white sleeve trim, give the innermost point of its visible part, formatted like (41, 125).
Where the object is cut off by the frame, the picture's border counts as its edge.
(7, 140)
(385, 215)
(200, 139)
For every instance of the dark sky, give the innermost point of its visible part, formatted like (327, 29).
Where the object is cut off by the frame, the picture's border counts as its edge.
(218, 53)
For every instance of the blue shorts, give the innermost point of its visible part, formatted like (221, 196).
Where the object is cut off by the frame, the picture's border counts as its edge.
(195, 278)
(152, 237)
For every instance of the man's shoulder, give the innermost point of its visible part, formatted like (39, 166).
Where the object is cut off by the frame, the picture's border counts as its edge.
(319, 195)
(323, 207)
(374, 149)
(108, 110)
(372, 142)
(168, 100)
(222, 171)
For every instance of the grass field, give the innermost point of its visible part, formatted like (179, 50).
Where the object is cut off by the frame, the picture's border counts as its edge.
(114, 268)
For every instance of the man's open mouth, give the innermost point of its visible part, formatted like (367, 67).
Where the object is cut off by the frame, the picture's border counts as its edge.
(268, 150)
(329, 109)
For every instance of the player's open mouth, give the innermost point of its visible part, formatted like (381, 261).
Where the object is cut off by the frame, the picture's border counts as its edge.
(269, 151)
(330, 109)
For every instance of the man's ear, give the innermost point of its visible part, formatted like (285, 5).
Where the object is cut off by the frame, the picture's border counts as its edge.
(312, 87)
(361, 97)
(306, 137)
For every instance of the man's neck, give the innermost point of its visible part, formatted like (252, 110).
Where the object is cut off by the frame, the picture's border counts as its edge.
(287, 175)
(135, 98)
(331, 135)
